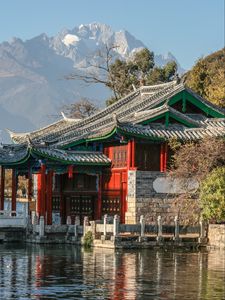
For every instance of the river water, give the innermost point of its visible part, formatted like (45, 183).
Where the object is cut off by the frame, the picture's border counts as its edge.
(68, 272)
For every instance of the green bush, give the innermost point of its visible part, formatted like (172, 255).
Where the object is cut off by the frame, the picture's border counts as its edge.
(88, 239)
(212, 196)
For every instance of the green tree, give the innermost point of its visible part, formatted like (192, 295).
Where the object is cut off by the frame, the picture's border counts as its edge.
(162, 74)
(194, 161)
(141, 68)
(212, 195)
(121, 76)
(142, 63)
(207, 77)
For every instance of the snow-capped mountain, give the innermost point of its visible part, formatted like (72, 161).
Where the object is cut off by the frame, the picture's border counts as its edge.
(33, 88)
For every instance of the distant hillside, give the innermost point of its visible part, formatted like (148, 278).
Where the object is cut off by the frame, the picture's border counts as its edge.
(207, 77)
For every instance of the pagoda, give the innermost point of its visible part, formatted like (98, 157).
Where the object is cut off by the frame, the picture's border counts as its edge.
(108, 163)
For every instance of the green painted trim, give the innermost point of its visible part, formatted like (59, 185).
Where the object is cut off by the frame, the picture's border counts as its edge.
(167, 119)
(146, 122)
(184, 102)
(171, 115)
(208, 110)
(69, 162)
(108, 135)
(119, 130)
(19, 162)
(174, 99)
(103, 137)
(184, 122)
(190, 98)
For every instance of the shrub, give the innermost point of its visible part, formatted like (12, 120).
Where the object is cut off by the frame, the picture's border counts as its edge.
(88, 239)
(212, 195)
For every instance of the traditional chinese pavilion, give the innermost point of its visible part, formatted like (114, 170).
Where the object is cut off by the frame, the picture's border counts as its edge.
(85, 167)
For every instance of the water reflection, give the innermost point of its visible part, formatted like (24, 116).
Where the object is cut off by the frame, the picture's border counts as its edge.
(65, 272)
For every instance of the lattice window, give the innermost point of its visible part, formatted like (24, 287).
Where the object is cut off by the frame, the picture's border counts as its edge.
(119, 156)
(56, 203)
(111, 205)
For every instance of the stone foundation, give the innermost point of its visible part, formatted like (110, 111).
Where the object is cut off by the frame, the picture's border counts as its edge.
(216, 235)
(143, 199)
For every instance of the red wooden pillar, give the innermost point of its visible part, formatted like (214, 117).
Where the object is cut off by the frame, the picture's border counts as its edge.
(49, 197)
(14, 190)
(98, 213)
(39, 195)
(162, 150)
(62, 206)
(165, 157)
(30, 186)
(2, 188)
(133, 154)
(129, 154)
(29, 191)
(43, 189)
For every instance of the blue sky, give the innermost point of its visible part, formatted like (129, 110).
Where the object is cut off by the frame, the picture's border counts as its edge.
(187, 28)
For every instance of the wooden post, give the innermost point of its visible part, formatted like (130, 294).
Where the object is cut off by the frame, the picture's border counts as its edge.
(38, 195)
(162, 158)
(49, 197)
(2, 188)
(165, 157)
(133, 154)
(99, 200)
(29, 192)
(43, 189)
(30, 184)
(62, 210)
(14, 190)
(129, 149)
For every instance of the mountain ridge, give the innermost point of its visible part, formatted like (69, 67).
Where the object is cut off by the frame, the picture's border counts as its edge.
(32, 72)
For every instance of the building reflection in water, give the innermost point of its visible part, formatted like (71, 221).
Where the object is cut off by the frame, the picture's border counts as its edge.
(72, 273)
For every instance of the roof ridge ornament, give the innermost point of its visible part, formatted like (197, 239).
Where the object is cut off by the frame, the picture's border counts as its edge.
(29, 142)
(177, 78)
(115, 119)
(69, 119)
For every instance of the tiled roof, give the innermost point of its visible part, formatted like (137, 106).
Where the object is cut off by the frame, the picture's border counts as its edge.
(14, 154)
(73, 157)
(138, 106)
(172, 131)
(125, 107)
(11, 154)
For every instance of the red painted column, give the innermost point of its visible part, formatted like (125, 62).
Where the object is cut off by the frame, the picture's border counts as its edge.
(2, 188)
(165, 157)
(62, 210)
(162, 149)
(29, 191)
(30, 185)
(99, 200)
(129, 153)
(49, 197)
(43, 189)
(39, 195)
(133, 154)
(14, 190)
